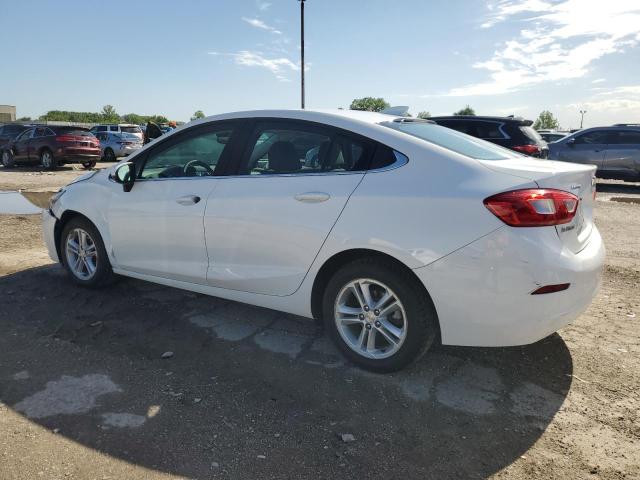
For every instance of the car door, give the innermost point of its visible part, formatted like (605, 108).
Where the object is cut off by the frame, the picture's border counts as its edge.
(37, 141)
(157, 227)
(622, 155)
(21, 145)
(265, 223)
(588, 148)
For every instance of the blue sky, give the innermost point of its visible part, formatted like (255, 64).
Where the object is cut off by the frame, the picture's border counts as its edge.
(174, 57)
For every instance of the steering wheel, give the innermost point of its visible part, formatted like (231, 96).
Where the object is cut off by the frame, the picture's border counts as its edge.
(193, 163)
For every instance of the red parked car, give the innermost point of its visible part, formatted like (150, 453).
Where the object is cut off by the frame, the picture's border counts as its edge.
(52, 147)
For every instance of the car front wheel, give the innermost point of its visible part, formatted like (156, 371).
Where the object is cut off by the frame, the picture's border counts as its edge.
(7, 159)
(83, 254)
(379, 317)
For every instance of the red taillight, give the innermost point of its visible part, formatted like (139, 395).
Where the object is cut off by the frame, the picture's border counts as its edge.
(528, 149)
(533, 207)
(65, 138)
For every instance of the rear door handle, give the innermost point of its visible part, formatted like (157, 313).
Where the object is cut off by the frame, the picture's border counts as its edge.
(188, 200)
(312, 197)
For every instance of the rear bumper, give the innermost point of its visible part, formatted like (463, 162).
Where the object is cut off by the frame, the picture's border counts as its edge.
(48, 233)
(78, 158)
(482, 292)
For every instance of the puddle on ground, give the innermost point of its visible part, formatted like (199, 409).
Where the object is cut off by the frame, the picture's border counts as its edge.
(17, 204)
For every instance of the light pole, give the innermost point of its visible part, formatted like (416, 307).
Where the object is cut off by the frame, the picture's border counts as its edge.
(302, 52)
(582, 112)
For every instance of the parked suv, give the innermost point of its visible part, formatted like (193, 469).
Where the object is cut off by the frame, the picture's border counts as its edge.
(52, 147)
(119, 128)
(614, 150)
(113, 145)
(514, 133)
(9, 132)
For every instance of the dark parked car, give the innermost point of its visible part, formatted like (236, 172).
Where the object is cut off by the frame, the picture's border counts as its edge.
(52, 147)
(514, 133)
(11, 131)
(614, 150)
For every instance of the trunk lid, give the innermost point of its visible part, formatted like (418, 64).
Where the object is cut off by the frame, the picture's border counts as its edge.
(569, 177)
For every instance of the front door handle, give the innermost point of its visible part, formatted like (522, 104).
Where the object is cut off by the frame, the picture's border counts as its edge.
(312, 197)
(188, 200)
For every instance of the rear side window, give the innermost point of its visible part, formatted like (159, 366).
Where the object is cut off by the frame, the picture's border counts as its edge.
(453, 140)
(459, 125)
(625, 137)
(114, 128)
(489, 130)
(300, 148)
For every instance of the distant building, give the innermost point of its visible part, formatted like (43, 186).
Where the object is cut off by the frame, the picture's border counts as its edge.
(7, 113)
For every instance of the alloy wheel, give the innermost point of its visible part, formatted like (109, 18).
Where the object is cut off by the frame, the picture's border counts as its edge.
(370, 318)
(82, 254)
(46, 159)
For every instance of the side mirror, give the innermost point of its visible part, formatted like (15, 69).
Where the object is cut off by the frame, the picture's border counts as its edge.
(571, 142)
(125, 174)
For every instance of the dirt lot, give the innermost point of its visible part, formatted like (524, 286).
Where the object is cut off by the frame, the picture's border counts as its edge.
(253, 393)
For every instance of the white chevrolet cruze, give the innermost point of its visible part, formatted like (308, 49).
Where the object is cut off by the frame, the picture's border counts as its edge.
(394, 231)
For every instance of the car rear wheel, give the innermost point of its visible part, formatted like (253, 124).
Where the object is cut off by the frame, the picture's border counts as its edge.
(83, 254)
(109, 156)
(380, 318)
(89, 164)
(7, 159)
(47, 160)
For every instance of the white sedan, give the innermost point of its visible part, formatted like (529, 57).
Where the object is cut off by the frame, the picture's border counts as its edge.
(394, 231)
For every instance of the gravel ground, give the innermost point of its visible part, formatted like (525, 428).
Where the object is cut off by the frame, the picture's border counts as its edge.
(252, 393)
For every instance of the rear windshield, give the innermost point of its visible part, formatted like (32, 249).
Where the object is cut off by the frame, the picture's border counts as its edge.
(453, 140)
(73, 131)
(130, 129)
(531, 133)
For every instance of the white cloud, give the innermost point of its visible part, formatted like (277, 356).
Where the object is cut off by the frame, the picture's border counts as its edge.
(560, 41)
(262, 6)
(255, 22)
(599, 80)
(277, 66)
(625, 98)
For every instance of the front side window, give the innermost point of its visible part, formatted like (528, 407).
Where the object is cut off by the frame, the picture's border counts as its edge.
(192, 156)
(298, 148)
(597, 137)
(24, 135)
(40, 132)
(101, 128)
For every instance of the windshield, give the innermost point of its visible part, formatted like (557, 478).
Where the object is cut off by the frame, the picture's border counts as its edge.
(453, 140)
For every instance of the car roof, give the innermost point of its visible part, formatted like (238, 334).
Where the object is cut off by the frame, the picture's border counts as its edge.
(518, 120)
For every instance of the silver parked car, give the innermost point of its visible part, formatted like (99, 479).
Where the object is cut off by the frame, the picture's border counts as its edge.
(114, 145)
(614, 150)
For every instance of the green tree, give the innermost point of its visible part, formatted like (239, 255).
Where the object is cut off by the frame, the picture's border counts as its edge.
(466, 111)
(424, 115)
(134, 118)
(369, 104)
(158, 119)
(546, 120)
(24, 119)
(197, 115)
(109, 114)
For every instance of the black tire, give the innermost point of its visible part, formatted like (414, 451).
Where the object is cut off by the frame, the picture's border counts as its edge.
(7, 159)
(88, 165)
(421, 319)
(109, 156)
(47, 160)
(103, 274)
